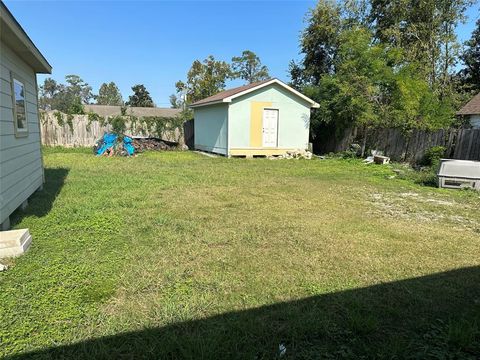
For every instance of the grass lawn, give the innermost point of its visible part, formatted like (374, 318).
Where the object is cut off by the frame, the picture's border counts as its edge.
(176, 255)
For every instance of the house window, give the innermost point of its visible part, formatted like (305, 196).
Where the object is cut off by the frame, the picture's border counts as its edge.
(19, 107)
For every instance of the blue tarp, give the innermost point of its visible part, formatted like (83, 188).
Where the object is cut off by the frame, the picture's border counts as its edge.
(109, 140)
(127, 145)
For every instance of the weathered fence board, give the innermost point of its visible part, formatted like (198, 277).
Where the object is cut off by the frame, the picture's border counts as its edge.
(459, 143)
(85, 133)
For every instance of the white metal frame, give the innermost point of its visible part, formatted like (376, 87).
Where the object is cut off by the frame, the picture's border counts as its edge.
(19, 132)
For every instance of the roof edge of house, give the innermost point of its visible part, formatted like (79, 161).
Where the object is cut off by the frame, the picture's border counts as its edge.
(472, 107)
(21, 34)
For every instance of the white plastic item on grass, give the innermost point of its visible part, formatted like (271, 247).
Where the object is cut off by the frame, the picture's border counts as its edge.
(458, 174)
(14, 242)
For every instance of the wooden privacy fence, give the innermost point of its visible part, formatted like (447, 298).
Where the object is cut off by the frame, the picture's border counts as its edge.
(459, 143)
(80, 131)
(189, 133)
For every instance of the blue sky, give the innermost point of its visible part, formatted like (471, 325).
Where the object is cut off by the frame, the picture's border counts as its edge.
(155, 42)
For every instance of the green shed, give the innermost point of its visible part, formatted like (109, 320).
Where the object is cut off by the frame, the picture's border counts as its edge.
(264, 118)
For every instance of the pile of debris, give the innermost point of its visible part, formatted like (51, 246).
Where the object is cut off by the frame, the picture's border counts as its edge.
(111, 144)
(295, 154)
(144, 144)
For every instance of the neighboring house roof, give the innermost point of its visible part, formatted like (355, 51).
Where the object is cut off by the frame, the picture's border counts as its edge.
(13, 35)
(228, 95)
(472, 107)
(108, 110)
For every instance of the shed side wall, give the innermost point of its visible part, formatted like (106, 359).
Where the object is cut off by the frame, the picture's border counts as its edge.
(211, 128)
(475, 121)
(21, 170)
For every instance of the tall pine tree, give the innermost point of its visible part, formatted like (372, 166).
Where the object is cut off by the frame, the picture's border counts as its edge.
(470, 75)
(109, 94)
(140, 98)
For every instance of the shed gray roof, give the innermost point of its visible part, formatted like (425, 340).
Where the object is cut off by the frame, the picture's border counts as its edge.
(108, 110)
(472, 107)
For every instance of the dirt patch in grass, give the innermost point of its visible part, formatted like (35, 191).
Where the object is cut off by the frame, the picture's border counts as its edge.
(425, 208)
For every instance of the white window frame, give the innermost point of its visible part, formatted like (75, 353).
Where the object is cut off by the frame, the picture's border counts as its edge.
(19, 132)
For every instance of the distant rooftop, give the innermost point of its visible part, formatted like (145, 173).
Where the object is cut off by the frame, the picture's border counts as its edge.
(472, 107)
(108, 110)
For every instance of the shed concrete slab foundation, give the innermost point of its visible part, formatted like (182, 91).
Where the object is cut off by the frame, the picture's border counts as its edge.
(251, 152)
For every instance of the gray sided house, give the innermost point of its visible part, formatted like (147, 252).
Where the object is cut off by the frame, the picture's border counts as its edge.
(263, 118)
(471, 111)
(21, 167)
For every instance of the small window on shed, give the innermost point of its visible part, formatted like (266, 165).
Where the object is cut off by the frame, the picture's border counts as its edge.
(19, 107)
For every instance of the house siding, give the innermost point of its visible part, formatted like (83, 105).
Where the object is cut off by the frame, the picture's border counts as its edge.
(293, 123)
(475, 121)
(21, 170)
(211, 128)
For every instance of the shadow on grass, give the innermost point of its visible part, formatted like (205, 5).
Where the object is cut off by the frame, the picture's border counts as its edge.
(436, 316)
(41, 202)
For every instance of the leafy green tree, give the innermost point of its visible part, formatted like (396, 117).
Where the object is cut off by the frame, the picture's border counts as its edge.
(140, 98)
(205, 78)
(425, 30)
(68, 98)
(470, 74)
(381, 63)
(109, 94)
(356, 92)
(249, 67)
(47, 93)
(78, 89)
(374, 87)
(176, 102)
(73, 95)
(319, 43)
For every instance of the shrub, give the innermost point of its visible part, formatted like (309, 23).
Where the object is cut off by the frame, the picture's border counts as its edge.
(433, 155)
(426, 176)
(352, 152)
(76, 108)
(118, 125)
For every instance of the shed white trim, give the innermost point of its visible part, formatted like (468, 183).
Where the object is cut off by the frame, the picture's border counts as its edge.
(229, 99)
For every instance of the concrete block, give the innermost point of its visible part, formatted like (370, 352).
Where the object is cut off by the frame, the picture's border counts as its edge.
(14, 242)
